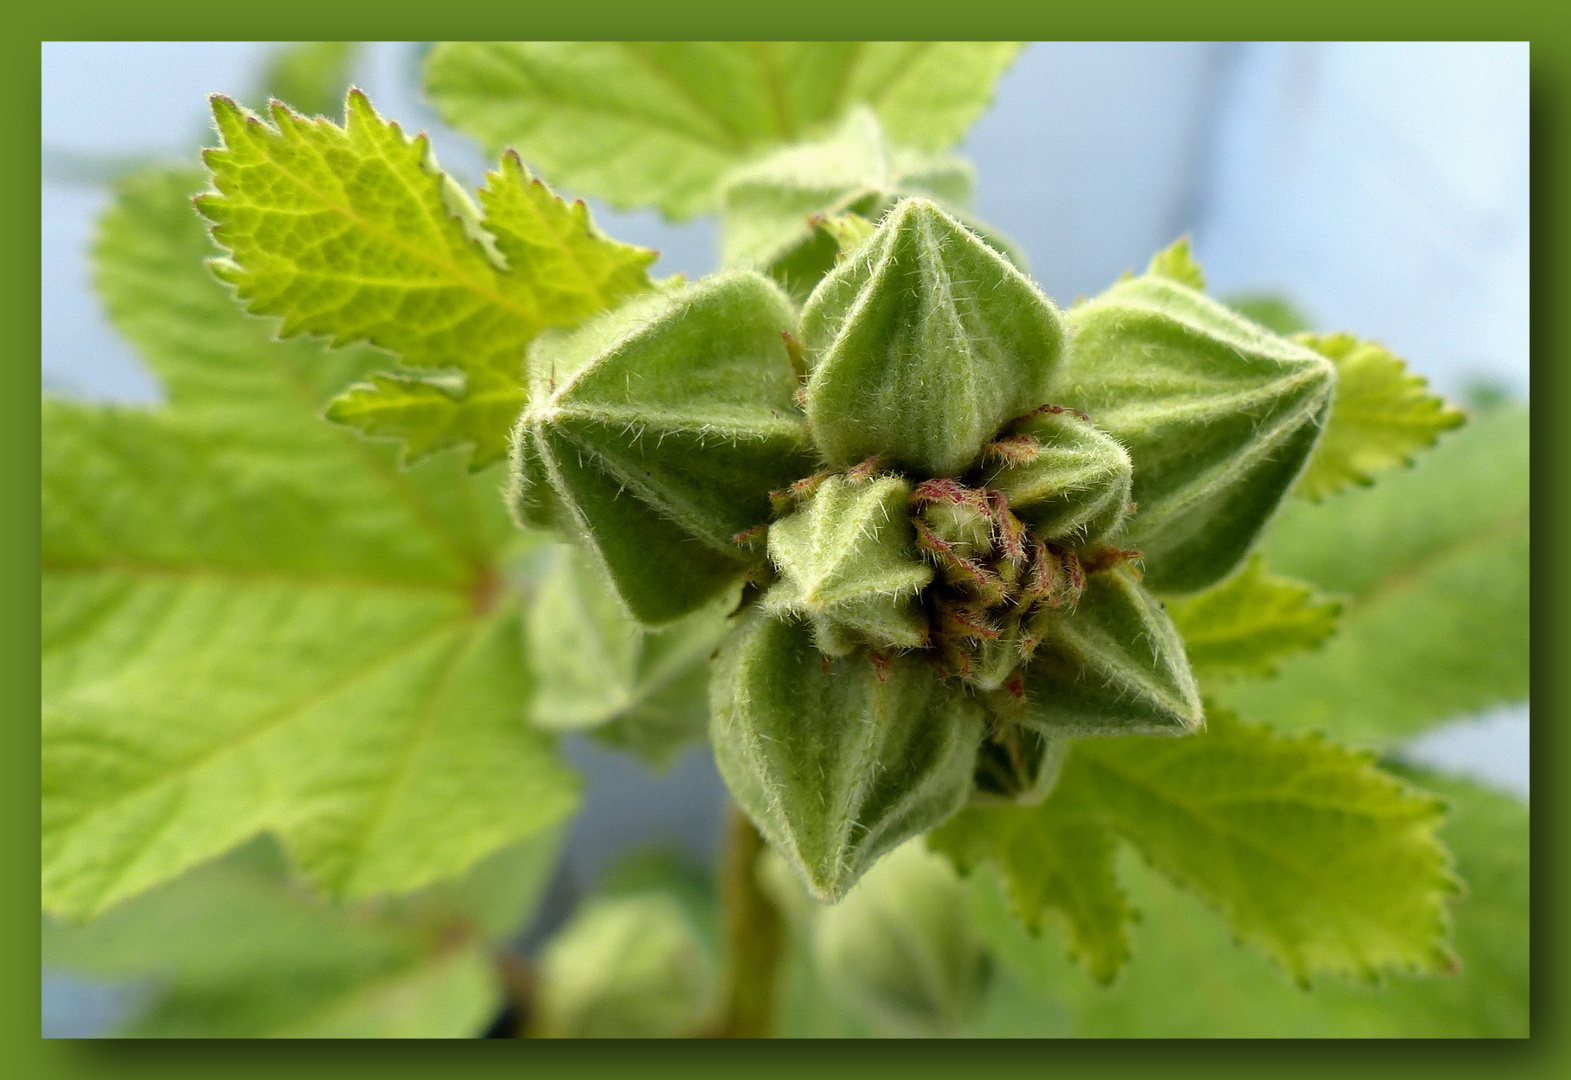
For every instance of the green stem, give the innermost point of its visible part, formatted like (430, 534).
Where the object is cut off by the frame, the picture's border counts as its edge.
(755, 937)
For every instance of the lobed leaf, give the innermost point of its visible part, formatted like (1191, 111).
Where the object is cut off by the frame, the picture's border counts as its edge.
(1218, 416)
(1313, 855)
(1247, 624)
(1380, 417)
(923, 345)
(836, 762)
(661, 123)
(355, 234)
(1189, 980)
(1434, 564)
(254, 622)
(659, 430)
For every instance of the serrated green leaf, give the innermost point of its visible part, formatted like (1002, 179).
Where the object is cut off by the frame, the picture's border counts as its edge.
(924, 345)
(837, 762)
(355, 234)
(233, 952)
(1247, 624)
(1434, 564)
(1188, 979)
(1313, 855)
(311, 77)
(1176, 263)
(1380, 417)
(254, 621)
(660, 123)
(1113, 665)
(659, 430)
(1218, 416)
(1056, 863)
(770, 207)
(645, 691)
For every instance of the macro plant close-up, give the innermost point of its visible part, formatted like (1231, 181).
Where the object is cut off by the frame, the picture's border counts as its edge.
(1066, 660)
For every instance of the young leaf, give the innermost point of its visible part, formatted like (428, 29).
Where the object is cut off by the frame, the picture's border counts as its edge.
(660, 123)
(355, 234)
(770, 207)
(1434, 562)
(1056, 862)
(253, 621)
(1381, 416)
(597, 670)
(836, 762)
(1176, 263)
(660, 430)
(1311, 853)
(1248, 623)
(1218, 416)
(1114, 665)
(923, 345)
(1188, 978)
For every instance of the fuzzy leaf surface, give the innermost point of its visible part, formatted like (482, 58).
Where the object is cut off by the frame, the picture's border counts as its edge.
(1313, 855)
(354, 234)
(1113, 665)
(1434, 565)
(923, 345)
(253, 621)
(837, 763)
(661, 123)
(596, 670)
(1247, 624)
(1189, 979)
(1218, 415)
(1381, 416)
(659, 429)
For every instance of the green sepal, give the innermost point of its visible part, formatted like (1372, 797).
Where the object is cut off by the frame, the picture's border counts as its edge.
(661, 428)
(923, 345)
(769, 207)
(900, 949)
(643, 691)
(625, 967)
(836, 762)
(849, 566)
(1062, 476)
(1217, 413)
(1115, 665)
(1016, 763)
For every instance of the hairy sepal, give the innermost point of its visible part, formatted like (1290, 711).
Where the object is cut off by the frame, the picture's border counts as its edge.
(1062, 476)
(660, 430)
(1218, 415)
(849, 566)
(1115, 665)
(923, 344)
(837, 762)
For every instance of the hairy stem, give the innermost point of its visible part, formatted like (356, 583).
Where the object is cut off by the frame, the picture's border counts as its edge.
(755, 937)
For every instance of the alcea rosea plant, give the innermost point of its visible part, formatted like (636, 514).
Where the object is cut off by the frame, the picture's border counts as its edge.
(969, 565)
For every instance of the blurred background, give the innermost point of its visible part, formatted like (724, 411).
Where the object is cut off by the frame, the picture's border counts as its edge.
(1380, 187)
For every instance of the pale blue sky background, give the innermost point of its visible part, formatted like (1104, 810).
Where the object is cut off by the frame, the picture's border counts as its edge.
(1384, 187)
